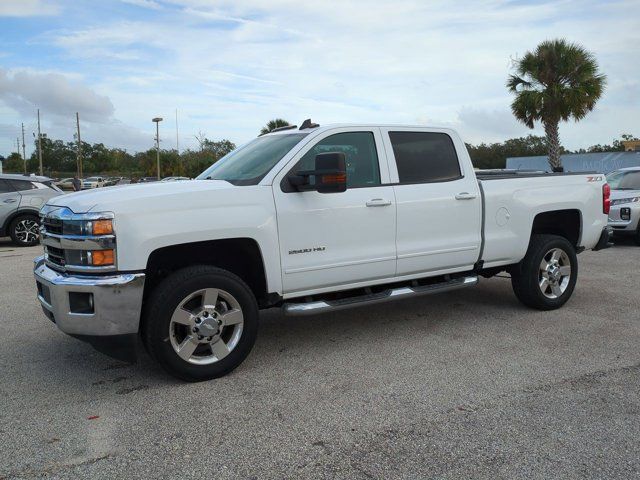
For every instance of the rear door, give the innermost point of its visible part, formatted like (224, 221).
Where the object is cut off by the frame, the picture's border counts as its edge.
(438, 201)
(9, 201)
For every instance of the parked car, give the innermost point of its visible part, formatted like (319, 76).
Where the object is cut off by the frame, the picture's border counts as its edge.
(312, 220)
(111, 181)
(147, 179)
(21, 197)
(174, 179)
(64, 184)
(624, 216)
(93, 182)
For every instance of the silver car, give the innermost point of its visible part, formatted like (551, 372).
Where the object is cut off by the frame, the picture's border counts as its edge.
(624, 216)
(21, 197)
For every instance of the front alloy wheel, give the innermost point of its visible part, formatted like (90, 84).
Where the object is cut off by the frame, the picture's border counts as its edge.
(206, 326)
(200, 322)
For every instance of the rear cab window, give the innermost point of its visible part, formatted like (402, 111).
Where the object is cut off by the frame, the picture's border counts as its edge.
(424, 157)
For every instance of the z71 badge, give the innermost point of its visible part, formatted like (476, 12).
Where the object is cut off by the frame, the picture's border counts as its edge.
(307, 250)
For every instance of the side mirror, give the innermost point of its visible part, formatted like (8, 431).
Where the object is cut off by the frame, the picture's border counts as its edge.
(330, 174)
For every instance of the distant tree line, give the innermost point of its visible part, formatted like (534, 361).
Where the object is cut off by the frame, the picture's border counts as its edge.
(494, 155)
(60, 157)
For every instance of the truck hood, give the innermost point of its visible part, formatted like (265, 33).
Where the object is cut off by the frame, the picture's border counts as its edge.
(617, 194)
(105, 199)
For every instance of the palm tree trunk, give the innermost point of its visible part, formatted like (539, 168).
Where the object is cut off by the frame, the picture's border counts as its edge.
(553, 144)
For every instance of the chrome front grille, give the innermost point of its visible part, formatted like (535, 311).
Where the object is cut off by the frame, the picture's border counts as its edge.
(55, 255)
(52, 225)
(68, 242)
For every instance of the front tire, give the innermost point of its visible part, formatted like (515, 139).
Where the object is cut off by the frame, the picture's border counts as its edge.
(200, 323)
(24, 230)
(547, 275)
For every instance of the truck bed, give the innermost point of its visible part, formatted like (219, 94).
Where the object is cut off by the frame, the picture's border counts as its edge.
(501, 174)
(510, 208)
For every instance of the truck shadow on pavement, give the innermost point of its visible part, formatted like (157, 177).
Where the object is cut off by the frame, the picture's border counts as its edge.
(289, 343)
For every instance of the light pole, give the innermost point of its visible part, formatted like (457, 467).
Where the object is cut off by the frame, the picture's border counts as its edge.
(157, 121)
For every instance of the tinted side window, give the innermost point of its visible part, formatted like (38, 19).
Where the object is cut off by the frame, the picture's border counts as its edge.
(5, 187)
(21, 185)
(363, 169)
(425, 157)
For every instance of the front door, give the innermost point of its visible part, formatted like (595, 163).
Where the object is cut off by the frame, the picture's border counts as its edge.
(330, 239)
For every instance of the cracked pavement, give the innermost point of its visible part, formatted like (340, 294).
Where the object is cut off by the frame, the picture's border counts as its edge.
(467, 384)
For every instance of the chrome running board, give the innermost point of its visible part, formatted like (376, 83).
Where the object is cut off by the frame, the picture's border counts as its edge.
(319, 306)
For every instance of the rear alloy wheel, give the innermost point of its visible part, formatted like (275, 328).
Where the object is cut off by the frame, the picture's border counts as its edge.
(555, 273)
(25, 230)
(547, 275)
(200, 322)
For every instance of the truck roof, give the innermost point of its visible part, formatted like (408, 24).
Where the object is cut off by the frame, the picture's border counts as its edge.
(295, 129)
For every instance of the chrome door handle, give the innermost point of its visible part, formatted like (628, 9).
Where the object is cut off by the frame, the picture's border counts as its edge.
(378, 202)
(10, 200)
(465, 196)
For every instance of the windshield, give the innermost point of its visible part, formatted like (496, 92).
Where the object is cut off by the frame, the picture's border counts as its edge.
(247, 165)
(624, 180)
(92, 179)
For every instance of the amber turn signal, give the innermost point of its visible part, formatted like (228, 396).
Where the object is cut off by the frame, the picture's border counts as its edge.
(102, 227)
(102, 257)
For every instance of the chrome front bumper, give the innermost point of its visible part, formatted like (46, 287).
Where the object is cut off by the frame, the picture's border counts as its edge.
(115, 301)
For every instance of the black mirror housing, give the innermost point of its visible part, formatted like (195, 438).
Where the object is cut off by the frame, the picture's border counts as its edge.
(331, 172)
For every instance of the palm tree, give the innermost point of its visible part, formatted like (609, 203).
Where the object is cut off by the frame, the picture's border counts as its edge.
(558, 81)
(273, 124)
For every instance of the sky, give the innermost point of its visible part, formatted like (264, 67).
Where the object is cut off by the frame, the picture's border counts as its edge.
(230, 66)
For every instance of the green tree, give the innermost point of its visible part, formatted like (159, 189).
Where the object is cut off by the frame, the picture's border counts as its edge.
(13, 164)
(273, 124)
(558, 81)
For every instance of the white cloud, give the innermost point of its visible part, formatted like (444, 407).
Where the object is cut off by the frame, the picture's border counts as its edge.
(28, 8)
(144, 4)
(52, 93)
(230, 66)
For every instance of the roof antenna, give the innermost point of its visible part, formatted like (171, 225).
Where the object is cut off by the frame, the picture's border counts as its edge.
(308, 124)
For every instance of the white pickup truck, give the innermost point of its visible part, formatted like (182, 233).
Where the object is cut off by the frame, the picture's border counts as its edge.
(310, 219)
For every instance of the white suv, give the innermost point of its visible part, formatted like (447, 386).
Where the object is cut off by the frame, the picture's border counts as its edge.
(624, 216)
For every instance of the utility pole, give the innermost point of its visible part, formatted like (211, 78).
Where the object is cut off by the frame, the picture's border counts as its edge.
(178, 145)
(24, 154)
(40, 145)
(157, 121)
(79, 147)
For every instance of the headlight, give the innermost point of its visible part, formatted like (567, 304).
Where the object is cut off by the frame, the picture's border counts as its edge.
(80, 242)
(621, 201)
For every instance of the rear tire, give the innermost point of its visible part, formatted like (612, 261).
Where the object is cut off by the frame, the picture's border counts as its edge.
(547, 275)
(200, 323)
(24, 230)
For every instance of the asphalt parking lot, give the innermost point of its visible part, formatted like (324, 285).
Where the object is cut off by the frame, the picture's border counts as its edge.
(467, 384)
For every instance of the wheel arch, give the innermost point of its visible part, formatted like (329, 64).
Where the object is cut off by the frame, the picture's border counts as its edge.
(4, 229)
(241, 256)
(566, 223)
